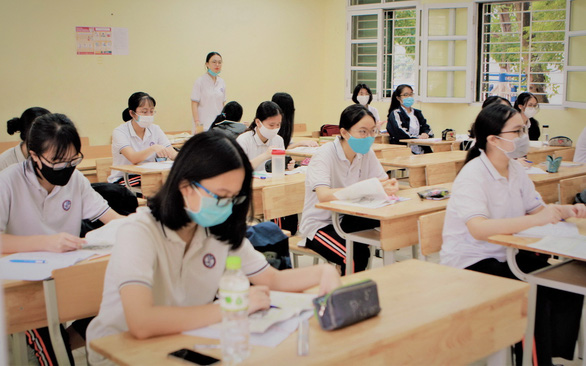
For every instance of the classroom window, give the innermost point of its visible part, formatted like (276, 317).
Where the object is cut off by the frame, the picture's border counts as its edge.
(382, 48)
(522, 48)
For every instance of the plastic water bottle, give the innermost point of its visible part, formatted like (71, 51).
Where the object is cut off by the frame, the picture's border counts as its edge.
(278, 163)
(234, 287)
(545, 135)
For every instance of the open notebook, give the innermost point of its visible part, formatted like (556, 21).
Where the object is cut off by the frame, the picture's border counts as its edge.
(367, 193)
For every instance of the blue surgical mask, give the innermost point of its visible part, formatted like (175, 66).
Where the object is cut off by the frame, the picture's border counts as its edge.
(209, 214)
(408, 102)
(214, 73)
(361, 146)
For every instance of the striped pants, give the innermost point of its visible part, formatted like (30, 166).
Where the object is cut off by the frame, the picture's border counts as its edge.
(332, 247)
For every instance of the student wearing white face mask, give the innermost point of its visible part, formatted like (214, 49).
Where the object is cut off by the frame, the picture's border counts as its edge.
(362, 95)
(262, 136)
(138, 140)
(493, 195)
(527, 104)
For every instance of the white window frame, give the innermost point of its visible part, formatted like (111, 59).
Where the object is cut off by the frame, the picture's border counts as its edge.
(567, 68)
(379, 10)
(471, 60)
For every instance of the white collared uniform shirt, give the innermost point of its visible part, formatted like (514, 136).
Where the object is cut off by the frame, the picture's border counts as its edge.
(329, 167)
(253, 146)
(210, 97)
(26, 208)
(480, 191)
(124, 135)
(11, 156)
(148, 254)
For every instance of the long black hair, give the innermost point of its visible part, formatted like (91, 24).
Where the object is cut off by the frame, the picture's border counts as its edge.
(523, 99)
(136, 100)
(357, 89)
(53, 130)
(193, 163)
(285, 102)
(265, 110)
(352, 115)
(23, 124)
(490, 121)
(395, 103)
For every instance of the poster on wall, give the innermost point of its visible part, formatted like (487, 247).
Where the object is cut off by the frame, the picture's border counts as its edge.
(101, 41)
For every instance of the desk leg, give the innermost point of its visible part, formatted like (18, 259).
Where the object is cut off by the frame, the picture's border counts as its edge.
(349, 257)
(528, 346)
(19, 349)
(388, 257)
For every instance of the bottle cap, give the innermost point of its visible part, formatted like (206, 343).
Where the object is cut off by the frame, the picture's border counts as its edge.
(233, 262)
(278, 152)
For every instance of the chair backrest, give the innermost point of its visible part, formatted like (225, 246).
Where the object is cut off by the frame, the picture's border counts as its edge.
(8, 145)
(431, 227)
(393, 153)
(283, 200)
(440, 173)
(96, 151)
(300, 127)
(103, 170)
(568, 188)
(566, 154)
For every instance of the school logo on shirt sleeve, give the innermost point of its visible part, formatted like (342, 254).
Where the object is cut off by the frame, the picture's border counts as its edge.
(152, 143)
(209, 260)
(66, 205)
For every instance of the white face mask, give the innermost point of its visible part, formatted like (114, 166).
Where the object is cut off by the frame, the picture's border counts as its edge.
(266, 132)
(530, 112)
(144, 121)
(363, 99)
(521, 146)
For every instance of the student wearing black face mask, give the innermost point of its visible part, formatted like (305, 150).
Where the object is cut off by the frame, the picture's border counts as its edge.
(43, 201)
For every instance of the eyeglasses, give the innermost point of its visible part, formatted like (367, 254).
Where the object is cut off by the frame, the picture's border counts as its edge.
(146, 113)
(520, 132)
(64, 164)
(222, 201)
(363, 132)
(407, 95)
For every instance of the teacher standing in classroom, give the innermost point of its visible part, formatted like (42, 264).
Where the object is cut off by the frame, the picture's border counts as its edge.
(209, 94)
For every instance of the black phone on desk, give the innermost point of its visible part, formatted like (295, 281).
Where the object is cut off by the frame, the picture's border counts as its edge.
(190, 356)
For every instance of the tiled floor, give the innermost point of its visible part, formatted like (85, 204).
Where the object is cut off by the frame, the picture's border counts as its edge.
(403, 254)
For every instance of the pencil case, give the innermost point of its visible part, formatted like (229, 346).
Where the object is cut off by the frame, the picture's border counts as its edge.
(347, 305)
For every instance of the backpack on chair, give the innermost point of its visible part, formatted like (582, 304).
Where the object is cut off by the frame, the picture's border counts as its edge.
(329, 130)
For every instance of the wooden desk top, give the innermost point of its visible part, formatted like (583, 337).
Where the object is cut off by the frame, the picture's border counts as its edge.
(415, 161)
(547, 148)
(259, 184)
(431, 314)
(87, 164)
(426, 142)
(137, 169)
(400, 209)
(563, 173)
(521, 242)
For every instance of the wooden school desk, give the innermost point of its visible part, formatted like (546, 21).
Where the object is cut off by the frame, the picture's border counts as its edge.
(258, 184)
(25, 304)
(568, 275)
(548, 184)
(431, 314)
(398, 223)
(539, 154)
(436, 145)
(151, 180)
(418, 164)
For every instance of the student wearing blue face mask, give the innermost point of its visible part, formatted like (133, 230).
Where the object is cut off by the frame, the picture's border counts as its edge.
(405, 122)
(336, 165)
(165, 269)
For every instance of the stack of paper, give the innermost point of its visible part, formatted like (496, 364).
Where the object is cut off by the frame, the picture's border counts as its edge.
(160, 165)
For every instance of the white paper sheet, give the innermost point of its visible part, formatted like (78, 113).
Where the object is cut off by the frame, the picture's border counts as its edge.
(535, 170)
(367, 193)
(39, 271)
(559, 230)
(161, 165)
(566, 247)
(275, 326)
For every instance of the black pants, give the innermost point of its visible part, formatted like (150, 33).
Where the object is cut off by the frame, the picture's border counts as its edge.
(332, 247)
(289, 223)
(557, 313)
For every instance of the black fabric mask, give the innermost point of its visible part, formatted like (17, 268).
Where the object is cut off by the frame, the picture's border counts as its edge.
(55, 177)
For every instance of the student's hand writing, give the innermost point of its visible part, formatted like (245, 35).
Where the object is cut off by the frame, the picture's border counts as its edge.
(258, 299)
(550, 214)
(424, 136)
(330, 280)
(159, 149)
(391, 186)
(171, 152)
(63, 242)
(291, 165)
